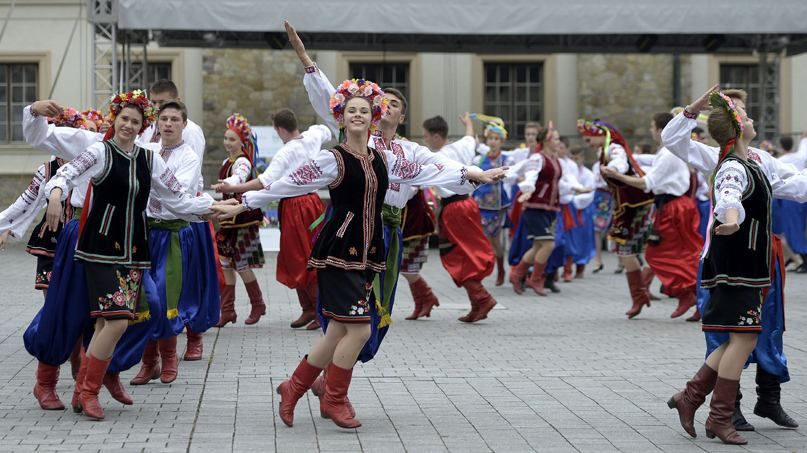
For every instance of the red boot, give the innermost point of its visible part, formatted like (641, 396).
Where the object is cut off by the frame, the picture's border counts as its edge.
(581, 270)
(318, 389)
(694, 394)
(517, 275)
(168, 354)
(149, 366)
(45, 389)
(313, 325)
(307, 305)
(416, 287)
(695, 316)
(536, 280)
(227, 306)
(647, 278)
(500, 270)
(256, 300)
(471, 315)
(75, 359)
(292, 389)
(423, 292)
(194, 347)
(685, 302)
(567, 269)
(91, 385)
(334, 404)
(721, 408)
(638, 293)
(485, 302)
(75, 402)
(113, 384)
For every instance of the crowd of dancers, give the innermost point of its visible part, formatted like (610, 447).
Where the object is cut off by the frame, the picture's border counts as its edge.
(128, 256)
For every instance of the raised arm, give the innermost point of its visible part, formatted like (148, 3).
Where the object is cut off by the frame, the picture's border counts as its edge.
(63, 142)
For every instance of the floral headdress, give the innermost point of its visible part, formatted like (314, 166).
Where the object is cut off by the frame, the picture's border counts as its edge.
(589, 128)
(239, 124)
(70, 117)
(361, 88)
(599, 128)
(96, 117)
(136, 99)
(493, 124)
(720, 100)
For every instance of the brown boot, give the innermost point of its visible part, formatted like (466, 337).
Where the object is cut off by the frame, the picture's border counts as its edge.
(313, 325)
(116, 389)
(695, 316)
(194, 347)
(638, 293)
(500, 271)
(692, 397)
(721, 409)
(334, 404)
(307, 305)
(517, 275)
(227, 306)
(294, 388)
(256, 300)
(416, 288)
(318, 389)
(149, 366)
(91, 385)
(485, 302)
(567, 269)
(75, 402)
(472, 298)
(685, 302)
(45, 389)
(429, 300)
(537, 279)
(647, 278)
(580, 271)
(168, 354)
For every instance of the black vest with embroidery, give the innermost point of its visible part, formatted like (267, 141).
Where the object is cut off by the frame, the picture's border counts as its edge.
(246, 218)
(743, 258)
(43, 241)
(115, 231)
(353, 237)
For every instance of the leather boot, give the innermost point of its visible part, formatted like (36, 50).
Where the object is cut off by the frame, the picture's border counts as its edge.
(471, 315)
(91, 385)
(313, 325)
(115, 387)
(194, 347)
(500, 274)
(318, 389)
(769, 405)
(45, 389)
(638, 293)
(737, 418)
(256, 301)
(75, 402)
(685, 302)
(308, 313)
(227, 306)
(75, 359)
(580, 271)
(416, 288)
(647, 278)
(537, 279)
(720, 410)
(149, 366)
(485, 302)
(168, 354)
(429, 300)
(549, 282)
(334, 404)
(517, 275)
(294, 388)
(692, 397)
(695, 316)
(567, 269)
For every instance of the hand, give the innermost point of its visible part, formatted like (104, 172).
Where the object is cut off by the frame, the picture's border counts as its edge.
(227, 202)
(702, 103)
(583, 190)
(47, 108)
(726, 229)
(524, 197)
(53, 216)
(608, 172)
(222, 187)
(4, 238)
(223, 211)
(487, 176)
(297, 44)
(465, 119)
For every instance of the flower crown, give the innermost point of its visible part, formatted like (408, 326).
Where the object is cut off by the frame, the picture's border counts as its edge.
(589, 128)
(361, 88)
(94, 116)
(70, 117)
(719, 100)
(238, 124)
(136, 99)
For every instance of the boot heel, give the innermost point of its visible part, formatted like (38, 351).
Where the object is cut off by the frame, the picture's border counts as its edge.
(710, 434)
(671, 404)
(77, 408)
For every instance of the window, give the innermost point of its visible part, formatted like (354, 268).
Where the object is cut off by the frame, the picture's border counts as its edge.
(515, 93)
(746, 77)
(156, 71)
(386, 75)
(18, 88)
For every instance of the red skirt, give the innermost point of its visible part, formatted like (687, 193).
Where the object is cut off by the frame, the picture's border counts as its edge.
(675, 257)
(464, 250)
(296, 216)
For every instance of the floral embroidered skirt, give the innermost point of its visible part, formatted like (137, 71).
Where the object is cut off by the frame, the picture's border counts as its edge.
(112, 290)
(493, 221)
(44, 269)
(240, 248)
(733, 309)
(344, 296)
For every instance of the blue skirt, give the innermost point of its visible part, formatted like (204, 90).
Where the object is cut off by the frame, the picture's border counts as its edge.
(582, 237)
(704, 209)
(200, 310)
(793, 217)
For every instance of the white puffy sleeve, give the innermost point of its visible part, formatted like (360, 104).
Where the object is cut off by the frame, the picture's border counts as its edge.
(89, 164)
(194, 136)
(730, 183)
(173, 196)
(240, 171)
(63, 142)
(586, 178)
(618, 158)
(530, 168)
(320, 90)
(320, 172)
(677, 137)
(19, 216)
(441, 172)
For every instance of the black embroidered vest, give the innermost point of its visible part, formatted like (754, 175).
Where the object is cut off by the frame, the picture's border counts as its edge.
(246, 218)
(43, 241)
(115, 231)
(743, 258)
(353, 237)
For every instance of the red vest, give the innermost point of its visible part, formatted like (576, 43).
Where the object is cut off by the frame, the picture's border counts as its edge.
(546, 195)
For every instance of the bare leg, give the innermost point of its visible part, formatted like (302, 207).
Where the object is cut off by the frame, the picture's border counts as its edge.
(544, 251)
(630, 263)
(229, 275)
(739, 347)
(322, 352)
(598, 249)
(247, 276)
(106, 336)
(349, 347)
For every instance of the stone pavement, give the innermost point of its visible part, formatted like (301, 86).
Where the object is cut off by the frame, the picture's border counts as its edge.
(566, 373)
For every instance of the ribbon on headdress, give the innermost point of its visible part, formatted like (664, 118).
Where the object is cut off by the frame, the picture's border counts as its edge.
(492, 123)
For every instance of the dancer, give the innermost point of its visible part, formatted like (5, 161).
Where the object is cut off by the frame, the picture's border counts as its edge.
(297, 214)
(633, 207)
(239, 242)
(581, 235)
(350, 249)
(675, 244)
(114, 248)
